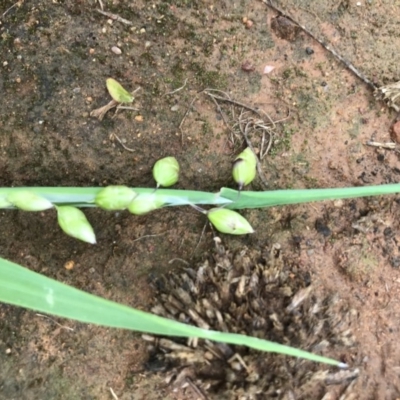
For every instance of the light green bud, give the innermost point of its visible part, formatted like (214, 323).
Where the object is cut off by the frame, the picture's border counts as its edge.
(29, 201)
(74, 223)
(228, 221)
(248, 155)
(116, 197)
(117, 92)
(244, 168)
(145, 203)
(243, 172)
(166, 171)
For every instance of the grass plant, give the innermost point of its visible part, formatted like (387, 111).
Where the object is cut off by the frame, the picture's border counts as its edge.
(22, 287)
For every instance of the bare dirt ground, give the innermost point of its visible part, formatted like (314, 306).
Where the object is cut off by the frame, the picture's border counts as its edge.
(54, 60)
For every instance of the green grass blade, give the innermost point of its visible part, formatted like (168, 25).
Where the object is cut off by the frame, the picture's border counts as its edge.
(294, 196)
(21, 287)
(84, 197)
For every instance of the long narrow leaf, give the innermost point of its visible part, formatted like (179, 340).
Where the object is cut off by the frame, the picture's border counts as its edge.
(84, 197)
(295, 196)
(25, 288)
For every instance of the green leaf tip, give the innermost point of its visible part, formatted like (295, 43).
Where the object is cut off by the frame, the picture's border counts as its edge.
(244, 168)
(166, 171)
(74, 223)
(29, 201)
(117, 92)
(145, 203)
(228, 221)
(117, 197)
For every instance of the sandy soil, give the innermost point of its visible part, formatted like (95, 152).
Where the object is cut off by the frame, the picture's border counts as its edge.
(55, 58)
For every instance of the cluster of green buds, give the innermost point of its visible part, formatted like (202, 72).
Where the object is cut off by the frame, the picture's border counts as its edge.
(165, 173)
(118, 197)
(71, 220)
(228, 221)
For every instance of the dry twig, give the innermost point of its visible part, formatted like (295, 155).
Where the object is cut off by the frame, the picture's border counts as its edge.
(101, 112)
(58, 324)
(187, 113)
(17, 4)
(115, 397)
(387, 145)
(114, 17)
(178, 89)
(122, 144)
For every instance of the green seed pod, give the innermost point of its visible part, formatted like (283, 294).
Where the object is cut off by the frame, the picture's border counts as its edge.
(228, 221)
(243, 172)
(116, 197)
(29, 201)
(117, 92)
(248, 155)
(145, 203)
(166, 171)
(244, 168)
(74, 223)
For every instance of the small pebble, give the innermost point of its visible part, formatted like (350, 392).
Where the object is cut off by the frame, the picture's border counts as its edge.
(69, 265)
(139, 118)
(116, 50)
(248, 66)
(175, 107)
(395, 134)
(338, 203)
(268, 69)
(91, 51)
(309, 51)
(248, 24)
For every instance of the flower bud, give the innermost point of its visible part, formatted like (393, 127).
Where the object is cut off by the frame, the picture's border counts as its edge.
(244, 168)
(243, 172)
(74, 223)
(228, 221)
(116, 197)
(117, 92)
(248, 155)
(166, 171)
(29, 201)
(145, 203)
